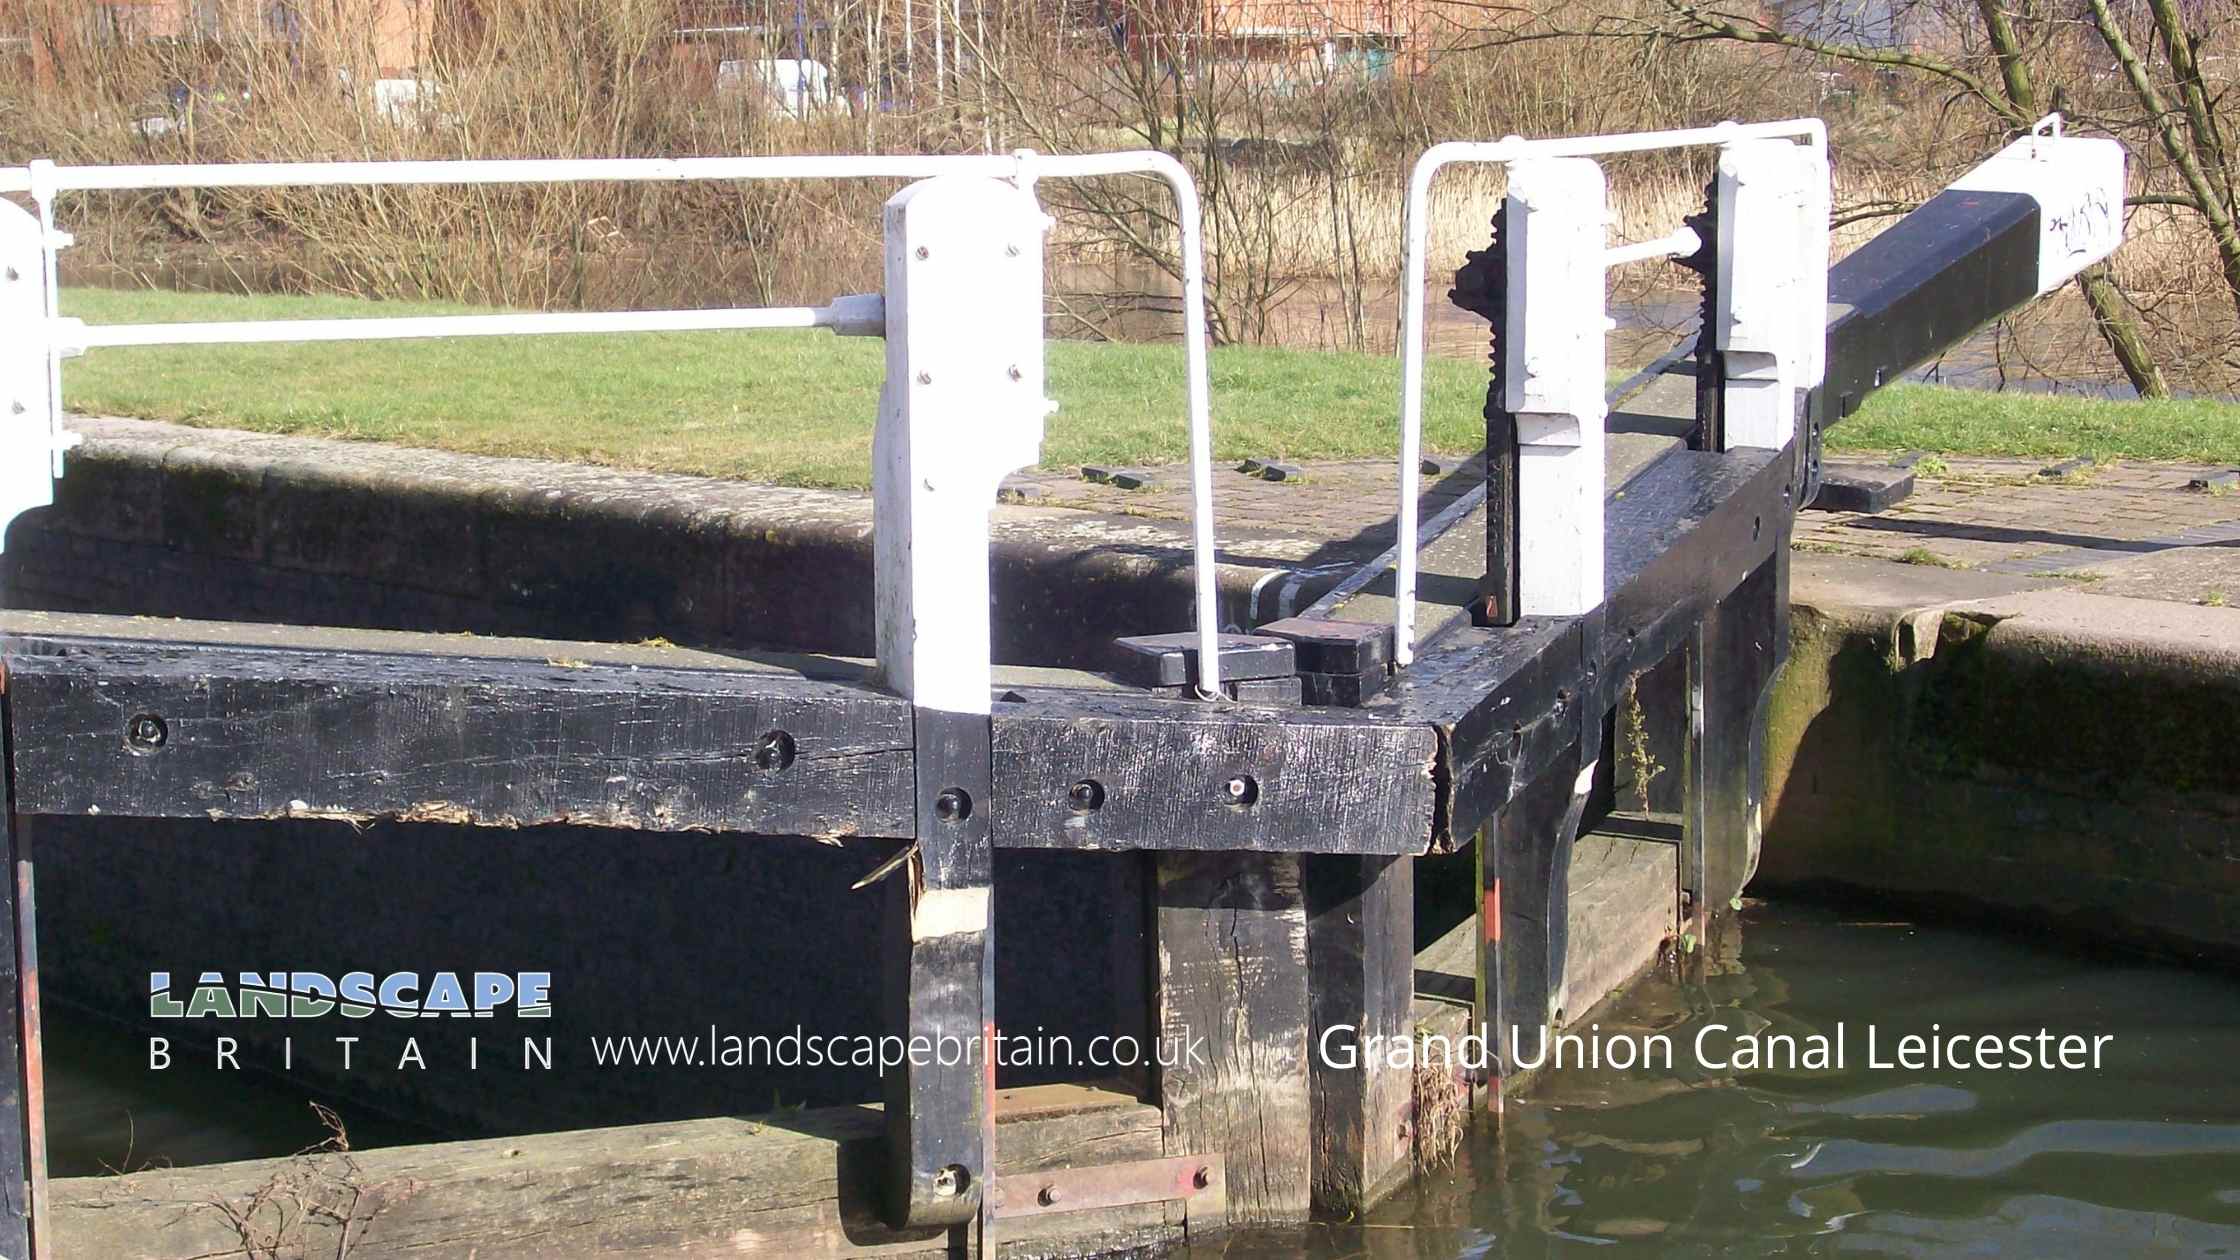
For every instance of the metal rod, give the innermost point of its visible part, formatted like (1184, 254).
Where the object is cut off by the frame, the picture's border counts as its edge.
(1678, 244)
(268, 331)
(1024, 165)
(1434, 159)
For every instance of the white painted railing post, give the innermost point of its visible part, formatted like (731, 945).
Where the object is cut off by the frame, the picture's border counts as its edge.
(30, 443)
(1771, 318)
(1558, 217)
(963, 406)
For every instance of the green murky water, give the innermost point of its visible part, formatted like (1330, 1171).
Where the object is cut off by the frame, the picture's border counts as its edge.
(2140, 1158)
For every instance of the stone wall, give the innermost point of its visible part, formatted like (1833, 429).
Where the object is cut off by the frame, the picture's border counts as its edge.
(2064, 762)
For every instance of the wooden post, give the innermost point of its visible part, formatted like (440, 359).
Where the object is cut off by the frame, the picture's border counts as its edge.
(1737, 649)
(23, 1164)
(1361, 990)
(1524, 873)
(1231, 943)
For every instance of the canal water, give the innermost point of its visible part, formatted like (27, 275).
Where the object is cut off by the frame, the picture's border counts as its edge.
(2139, 1158)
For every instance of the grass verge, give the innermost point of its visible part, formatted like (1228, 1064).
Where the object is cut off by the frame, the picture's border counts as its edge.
(789, 407)
(1974, 422)
(796, 408)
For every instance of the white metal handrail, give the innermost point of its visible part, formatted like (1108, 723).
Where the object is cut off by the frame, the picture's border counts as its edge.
(45, 180)
(1502, 152)
(846, 315)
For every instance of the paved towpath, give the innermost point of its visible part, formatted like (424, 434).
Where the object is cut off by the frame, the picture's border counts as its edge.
(2133, 529)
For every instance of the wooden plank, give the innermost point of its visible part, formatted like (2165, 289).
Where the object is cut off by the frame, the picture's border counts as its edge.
(1622, 912)
(938, 933)
(1361, 985)
(22, 1122)
(1736, 652)
(801, 1184)
(1160, 775)
(1524, 867)
(149, 730)
(34, 630)
(1233, 1020)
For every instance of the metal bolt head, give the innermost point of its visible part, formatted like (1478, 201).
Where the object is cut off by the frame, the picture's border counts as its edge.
(923, 252)
(146, 732)
(1241, 790)
(948, 1182)
(1049, 1196)
(953, 805)
(1085, 797)
(774, 751)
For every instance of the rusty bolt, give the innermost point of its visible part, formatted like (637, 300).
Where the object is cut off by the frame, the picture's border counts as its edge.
(953, 805)
(146, 732)
(1049, 1196)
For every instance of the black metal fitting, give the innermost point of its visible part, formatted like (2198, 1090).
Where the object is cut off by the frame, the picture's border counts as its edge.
(145, 733)
(953, 805)
(1085, 797)
(774, 752)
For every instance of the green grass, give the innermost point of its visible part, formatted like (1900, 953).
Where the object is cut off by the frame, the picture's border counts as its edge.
(1972, 422)
(796, 407)
(788, 407)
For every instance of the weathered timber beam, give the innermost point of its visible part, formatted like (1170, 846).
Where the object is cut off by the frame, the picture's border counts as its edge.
(1921, 287)
(1732, 659)
(1231, 968)
(1360, 992)
(1688, 530)
(795, 1185)
(1082, 770)
(1686, 533)
(155, 729)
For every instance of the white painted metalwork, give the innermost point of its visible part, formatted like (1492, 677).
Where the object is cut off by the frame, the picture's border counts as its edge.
(1502, 152)
(2079, 185)
(1558, 208)
(1770, 321)
(1676, 244)
(963, 406)
(858, 314)
(31, 442)
(45, 181)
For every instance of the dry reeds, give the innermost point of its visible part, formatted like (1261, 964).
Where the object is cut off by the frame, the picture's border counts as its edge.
(1301, 157)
